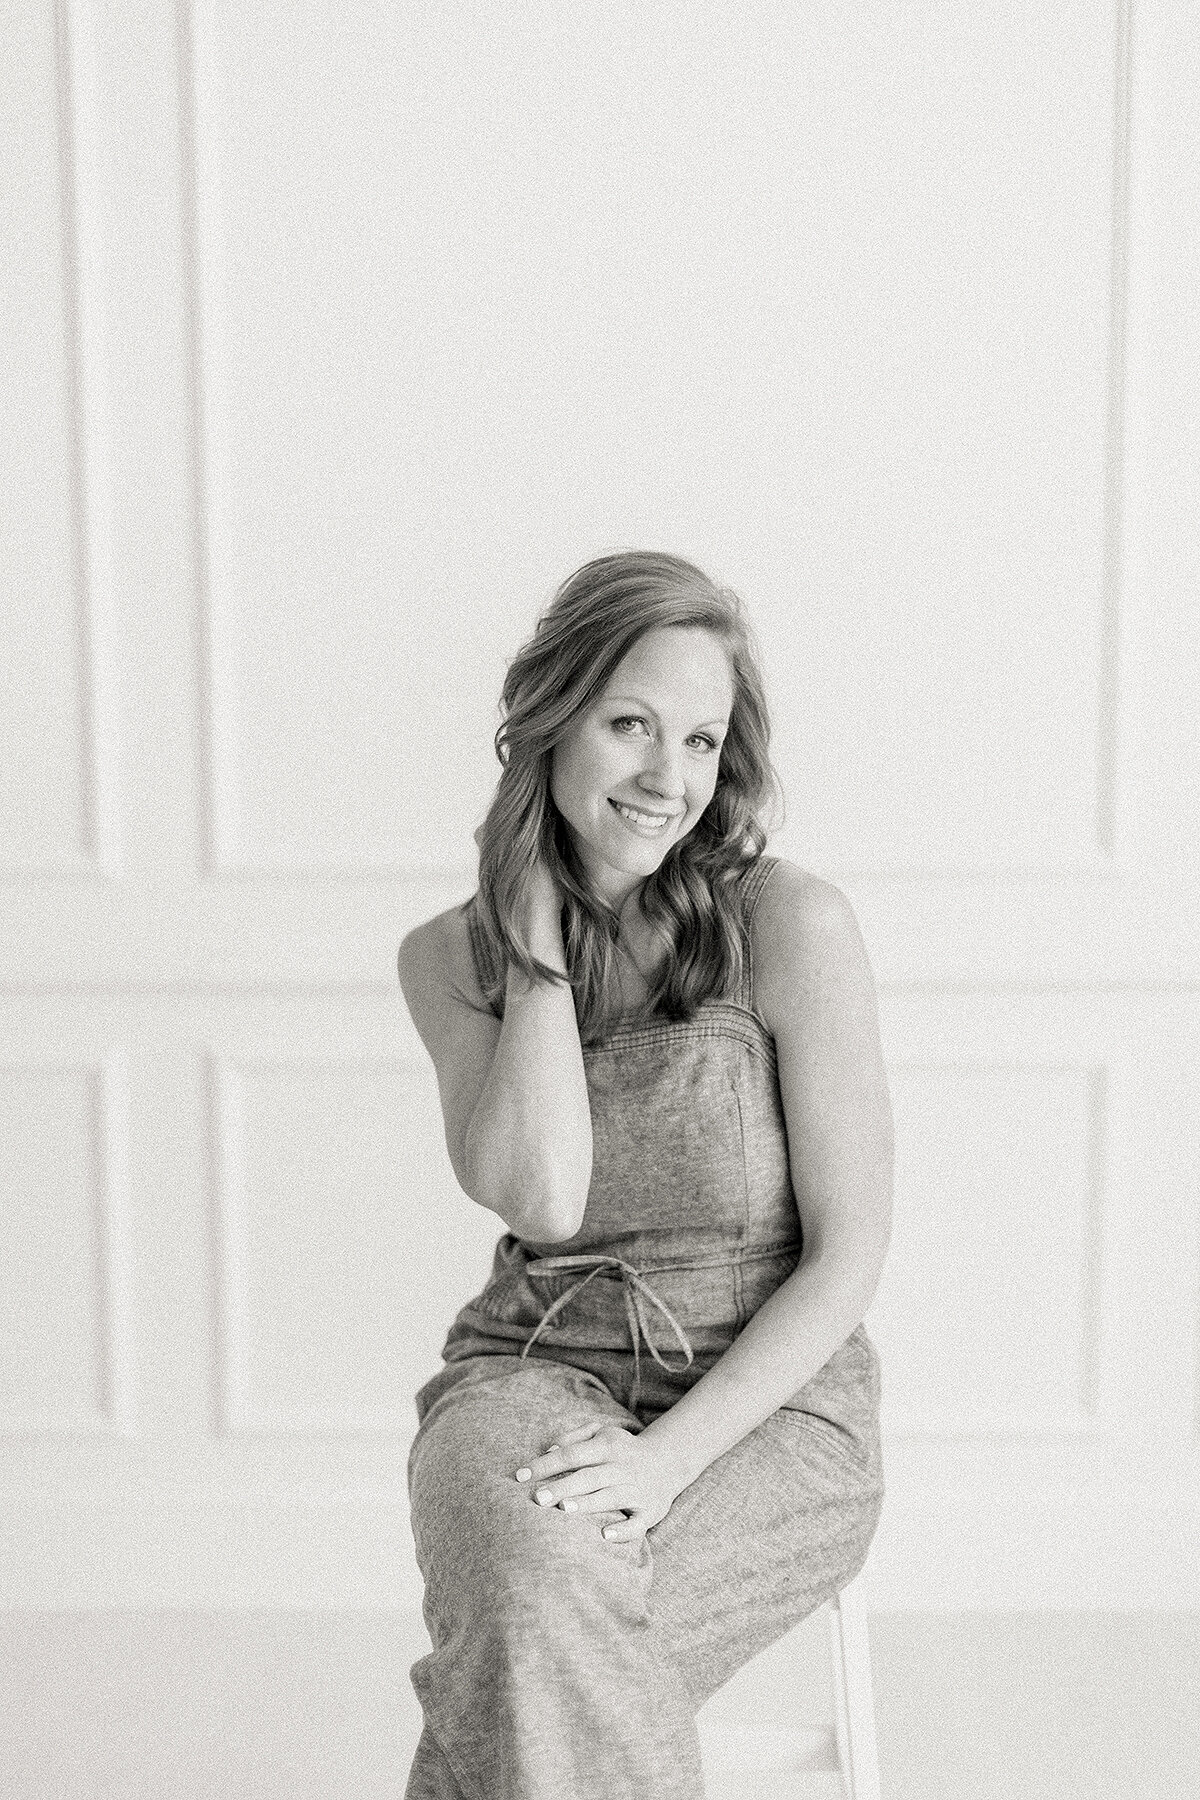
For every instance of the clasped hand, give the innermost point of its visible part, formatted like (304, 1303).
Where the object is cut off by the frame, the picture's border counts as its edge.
(606, 1468)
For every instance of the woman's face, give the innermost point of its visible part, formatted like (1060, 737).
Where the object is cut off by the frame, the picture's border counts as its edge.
(636, 769)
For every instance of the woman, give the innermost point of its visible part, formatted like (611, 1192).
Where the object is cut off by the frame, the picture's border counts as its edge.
(653, 1445)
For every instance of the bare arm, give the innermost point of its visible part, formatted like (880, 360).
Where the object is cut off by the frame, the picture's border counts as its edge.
(513, 1092)
(817, 995)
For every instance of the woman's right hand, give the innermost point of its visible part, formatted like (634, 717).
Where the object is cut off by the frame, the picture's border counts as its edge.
(540, 908)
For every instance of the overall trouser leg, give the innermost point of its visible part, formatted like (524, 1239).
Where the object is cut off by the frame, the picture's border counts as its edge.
(547, 1676)
(768, 1532)
(430, 1776)
(563, 1662)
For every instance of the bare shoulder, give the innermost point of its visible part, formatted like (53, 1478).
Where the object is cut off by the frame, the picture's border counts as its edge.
(437, 967)
(454, 1022)
(798, 912)
(804, 938)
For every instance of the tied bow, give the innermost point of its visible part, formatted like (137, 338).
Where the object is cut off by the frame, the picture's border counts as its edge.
(637, 1292)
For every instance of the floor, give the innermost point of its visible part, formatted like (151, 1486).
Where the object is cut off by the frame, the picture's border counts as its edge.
(317, 1706)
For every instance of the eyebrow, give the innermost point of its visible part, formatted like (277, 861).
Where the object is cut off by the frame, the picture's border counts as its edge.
(636, 700)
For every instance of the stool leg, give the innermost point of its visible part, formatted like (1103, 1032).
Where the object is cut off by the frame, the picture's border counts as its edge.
(853, 1694)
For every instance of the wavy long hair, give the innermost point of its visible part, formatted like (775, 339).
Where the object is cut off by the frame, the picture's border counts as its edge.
(692, 900)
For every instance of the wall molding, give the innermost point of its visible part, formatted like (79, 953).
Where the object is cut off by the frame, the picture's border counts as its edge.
(113, 1352)
(85, 363)
(225, 856)
(234, 1412)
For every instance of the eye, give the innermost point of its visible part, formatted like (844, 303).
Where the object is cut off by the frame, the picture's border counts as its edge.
(635, 719)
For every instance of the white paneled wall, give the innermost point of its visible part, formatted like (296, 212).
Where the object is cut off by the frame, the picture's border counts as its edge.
(333, 344)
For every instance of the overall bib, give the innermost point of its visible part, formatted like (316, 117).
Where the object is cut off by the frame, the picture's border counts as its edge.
(565, 1667)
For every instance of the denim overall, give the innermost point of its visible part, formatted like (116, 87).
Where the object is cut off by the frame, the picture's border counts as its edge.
(563, 1664)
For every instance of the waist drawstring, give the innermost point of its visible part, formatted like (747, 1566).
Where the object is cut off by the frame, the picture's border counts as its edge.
(636, 1290)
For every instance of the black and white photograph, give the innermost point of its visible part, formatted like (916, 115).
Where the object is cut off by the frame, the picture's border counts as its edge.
(600, 866)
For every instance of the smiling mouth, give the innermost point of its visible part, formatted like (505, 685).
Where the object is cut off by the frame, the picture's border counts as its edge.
(647, 820)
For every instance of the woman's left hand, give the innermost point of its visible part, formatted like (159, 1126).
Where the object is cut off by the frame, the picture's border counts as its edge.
(605, 1468)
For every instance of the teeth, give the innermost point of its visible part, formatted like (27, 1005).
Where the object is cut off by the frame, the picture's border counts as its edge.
(641, 818)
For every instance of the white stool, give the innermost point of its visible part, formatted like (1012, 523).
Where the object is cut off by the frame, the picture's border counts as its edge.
(739, 1757)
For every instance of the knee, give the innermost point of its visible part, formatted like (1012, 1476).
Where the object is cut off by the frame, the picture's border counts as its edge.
(494, 1553)
(553, 1580)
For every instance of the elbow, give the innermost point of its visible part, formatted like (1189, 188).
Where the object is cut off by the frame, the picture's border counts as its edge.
(854, 1261)
(546, 1208)
(539, 1215)
(550, 1207)
(553, 1221)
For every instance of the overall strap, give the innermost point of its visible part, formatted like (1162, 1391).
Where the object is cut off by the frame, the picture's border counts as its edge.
(752, 887)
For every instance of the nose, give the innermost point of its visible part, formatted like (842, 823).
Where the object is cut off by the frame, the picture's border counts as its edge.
(663, 775)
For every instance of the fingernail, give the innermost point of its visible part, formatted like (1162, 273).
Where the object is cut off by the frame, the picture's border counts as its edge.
(609, 1531)
(524, 1474)
(544, 1497)
(550, 1447)
(568, 1505)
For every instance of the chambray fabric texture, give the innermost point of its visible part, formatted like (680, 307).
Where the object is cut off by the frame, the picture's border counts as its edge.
(562, 1664)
